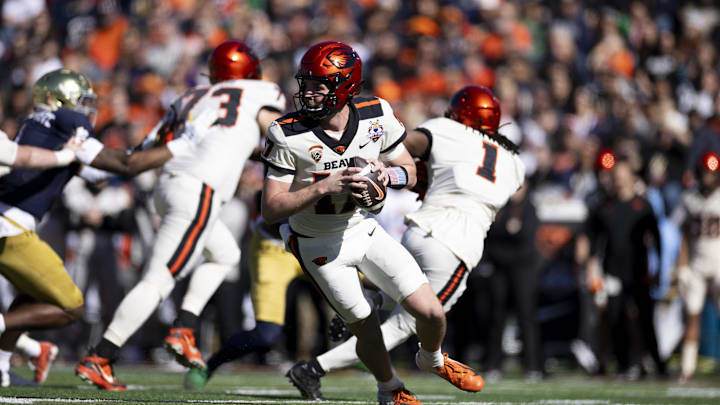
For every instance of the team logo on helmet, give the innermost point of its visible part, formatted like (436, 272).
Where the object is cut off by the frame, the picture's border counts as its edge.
(342, 58)
(316, 152)
(375, 131)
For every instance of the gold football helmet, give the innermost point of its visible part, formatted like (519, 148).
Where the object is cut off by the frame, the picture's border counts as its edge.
(64, 88)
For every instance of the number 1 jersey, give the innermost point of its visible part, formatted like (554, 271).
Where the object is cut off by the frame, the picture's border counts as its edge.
(471, 177)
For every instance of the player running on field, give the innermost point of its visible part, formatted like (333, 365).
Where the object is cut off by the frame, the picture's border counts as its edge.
(309, 180)
(232, 111)
(272, 269)
(473, 171)
(698, 269)
(47, 297)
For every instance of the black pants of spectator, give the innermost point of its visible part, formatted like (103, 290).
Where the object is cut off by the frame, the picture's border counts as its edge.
(633, 308)
(519, 281)
(646, 315)
(618, 323)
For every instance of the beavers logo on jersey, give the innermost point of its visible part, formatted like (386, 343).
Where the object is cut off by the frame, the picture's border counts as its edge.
(342, 58)
(375, 131)
(316, 152)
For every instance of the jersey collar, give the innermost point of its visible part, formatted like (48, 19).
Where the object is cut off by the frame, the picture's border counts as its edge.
(341, 145)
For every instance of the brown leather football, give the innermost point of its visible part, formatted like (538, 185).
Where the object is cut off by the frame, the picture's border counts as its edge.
(373, 198)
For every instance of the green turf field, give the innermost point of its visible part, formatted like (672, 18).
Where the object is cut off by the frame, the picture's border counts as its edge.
(150, 386)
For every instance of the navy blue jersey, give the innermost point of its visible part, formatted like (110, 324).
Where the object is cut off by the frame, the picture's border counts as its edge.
(33, 190)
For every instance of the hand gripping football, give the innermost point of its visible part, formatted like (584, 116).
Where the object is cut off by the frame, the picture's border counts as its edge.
(373, 198)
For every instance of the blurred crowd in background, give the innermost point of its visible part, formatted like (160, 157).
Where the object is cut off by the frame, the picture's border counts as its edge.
(575, 78)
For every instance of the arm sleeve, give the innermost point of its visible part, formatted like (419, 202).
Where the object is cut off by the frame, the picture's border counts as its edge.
(277, 154)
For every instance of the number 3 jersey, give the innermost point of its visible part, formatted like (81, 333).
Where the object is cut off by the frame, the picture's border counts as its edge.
(299, 151)
(471, 177)
(225, 118)
(699, 215)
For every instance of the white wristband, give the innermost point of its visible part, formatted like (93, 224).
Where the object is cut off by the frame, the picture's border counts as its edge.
(64, 157)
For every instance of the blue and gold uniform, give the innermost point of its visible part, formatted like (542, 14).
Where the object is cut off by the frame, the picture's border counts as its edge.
(25, 196)
(272, 269)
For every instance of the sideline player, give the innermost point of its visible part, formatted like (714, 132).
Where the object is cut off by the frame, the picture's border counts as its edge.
(189, 193)
(47, 297)
(309, 180)
(698, 271)
(473, 171)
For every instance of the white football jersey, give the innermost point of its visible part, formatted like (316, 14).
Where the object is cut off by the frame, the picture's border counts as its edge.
(220, 155)
(700, 215)
(471, 177)
(300, 148)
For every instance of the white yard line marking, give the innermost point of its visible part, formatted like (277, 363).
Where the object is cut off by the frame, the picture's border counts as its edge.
(693, 392)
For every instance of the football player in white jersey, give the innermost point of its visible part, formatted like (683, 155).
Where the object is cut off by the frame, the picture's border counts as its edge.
(228, 115)
(311, 181)
(698, 270)
(472, 172)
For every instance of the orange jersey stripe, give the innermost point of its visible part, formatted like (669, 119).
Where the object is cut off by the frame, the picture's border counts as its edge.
(194, 234)
(287, 121)
(367, 103)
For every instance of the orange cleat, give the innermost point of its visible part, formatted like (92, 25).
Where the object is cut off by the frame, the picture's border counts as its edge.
(181, 343)
(460, 375)
(42, 363)
(401, 396)
(99, 371)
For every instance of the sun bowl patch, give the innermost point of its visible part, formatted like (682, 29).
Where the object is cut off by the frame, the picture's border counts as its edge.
(375, 131)
(316, 152)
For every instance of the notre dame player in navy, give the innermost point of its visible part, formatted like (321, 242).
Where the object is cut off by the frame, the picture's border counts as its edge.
(63, 108)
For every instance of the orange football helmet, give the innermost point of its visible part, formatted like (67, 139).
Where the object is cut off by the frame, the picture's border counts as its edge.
(233, 60)
(337, 66)
(476, 107)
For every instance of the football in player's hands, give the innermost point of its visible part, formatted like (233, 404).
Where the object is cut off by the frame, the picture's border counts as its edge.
(373, 197)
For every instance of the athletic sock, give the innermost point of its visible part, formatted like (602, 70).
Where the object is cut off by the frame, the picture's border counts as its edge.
(391, 385)
(187, 319)
(5, 360)
(427, 361)
(27, 346)
(689, 359)
(107, 349)
(2, 323)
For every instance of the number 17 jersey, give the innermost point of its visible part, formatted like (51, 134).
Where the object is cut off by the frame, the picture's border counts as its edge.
(301, 152)
(471, 177)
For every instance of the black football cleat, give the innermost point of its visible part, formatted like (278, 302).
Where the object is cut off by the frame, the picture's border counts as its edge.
(306, 378)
